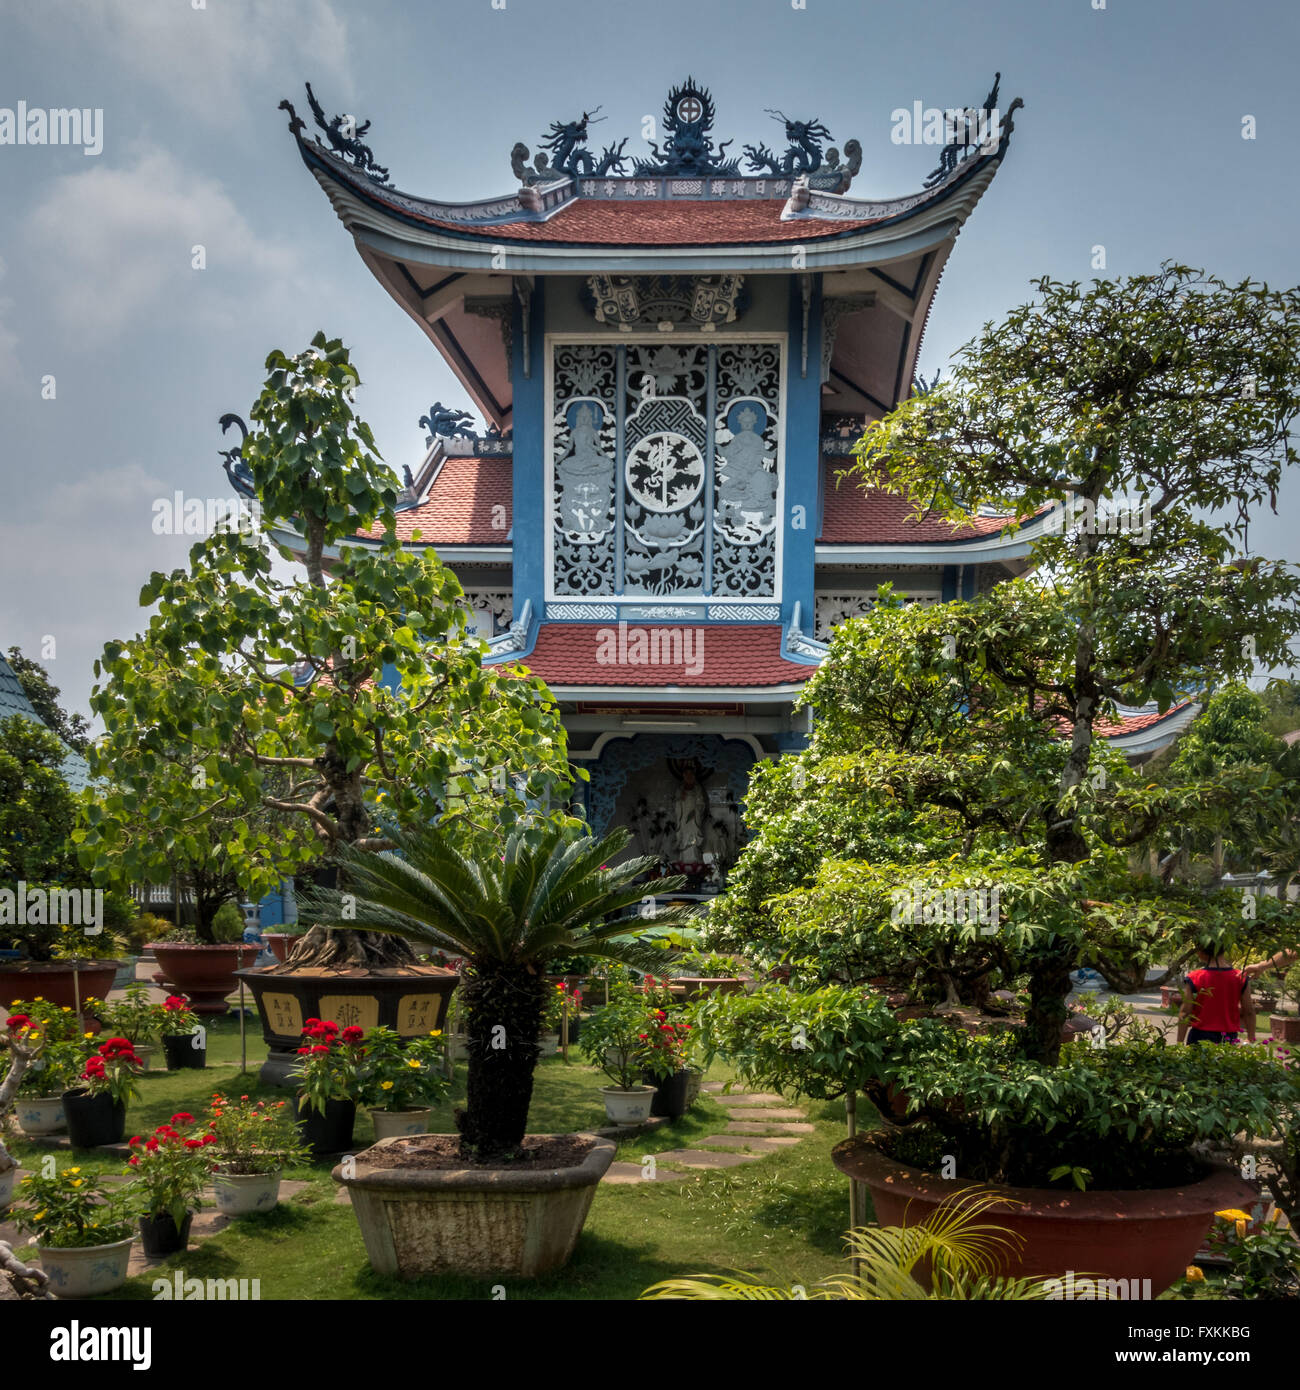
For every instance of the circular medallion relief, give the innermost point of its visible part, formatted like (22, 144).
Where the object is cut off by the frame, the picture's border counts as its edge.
(665, 471)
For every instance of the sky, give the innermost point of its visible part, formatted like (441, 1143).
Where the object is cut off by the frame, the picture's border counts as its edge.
(118, 352)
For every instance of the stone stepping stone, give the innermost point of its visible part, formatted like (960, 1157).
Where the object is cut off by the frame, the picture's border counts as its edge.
(751, 1098)
(702, 1158)
(741, 1127)
(765, 1114)
(756, 1143)
(633, 1172)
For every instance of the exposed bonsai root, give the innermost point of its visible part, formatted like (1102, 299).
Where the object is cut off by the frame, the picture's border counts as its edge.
(20, 1281)
(324, 949)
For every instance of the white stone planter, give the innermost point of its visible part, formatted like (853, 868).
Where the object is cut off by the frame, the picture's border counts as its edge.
(86, 1270)
(7, 1181)
(627, 1107)
(549, 1043)
(238, 1194)
(40, 1114)
(397, 1124)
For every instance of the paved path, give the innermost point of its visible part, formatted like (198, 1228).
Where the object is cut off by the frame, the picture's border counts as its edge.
(758, 1123)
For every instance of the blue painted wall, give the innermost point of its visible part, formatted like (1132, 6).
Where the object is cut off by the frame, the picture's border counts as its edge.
(529, 421)
(803, 404)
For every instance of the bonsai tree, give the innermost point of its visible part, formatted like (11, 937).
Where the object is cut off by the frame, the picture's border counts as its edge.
(354, 683)
(508, 899)
(980, 833)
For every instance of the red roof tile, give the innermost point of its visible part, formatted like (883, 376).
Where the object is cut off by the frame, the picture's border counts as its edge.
(653, 654)
(662, 222)
(470, 502)
(854, 515)
(1131, 723)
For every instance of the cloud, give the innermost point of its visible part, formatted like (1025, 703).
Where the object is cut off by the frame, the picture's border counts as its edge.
(10, 370)
(114, 245)
(203, 57)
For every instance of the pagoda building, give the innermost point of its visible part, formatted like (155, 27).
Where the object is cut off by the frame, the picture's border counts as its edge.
(673, 355)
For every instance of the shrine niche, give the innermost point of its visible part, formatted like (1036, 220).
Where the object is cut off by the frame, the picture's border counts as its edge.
(666, 470)
(682, 798)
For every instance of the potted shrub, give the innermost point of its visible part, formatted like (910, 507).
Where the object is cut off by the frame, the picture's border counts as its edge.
(400, 1079)
(183, 1039)
(1286, 1027)
(615, 1040)
(328, 1076)
(133, 1017)
(255, 1141)
(54, 1033)
(508, 898)
(204, 971)
(665, 1056)
(82, 1231)
(96, 1110)
(170, 1170)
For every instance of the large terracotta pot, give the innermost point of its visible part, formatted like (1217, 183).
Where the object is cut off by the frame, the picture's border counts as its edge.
(281, 943)
(479, 1222)
(1133, 1235)
(52, 980)
(1286, 1027)
(412, 1000)
(206, 974)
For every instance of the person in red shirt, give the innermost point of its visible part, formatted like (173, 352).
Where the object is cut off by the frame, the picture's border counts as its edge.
(1216, 1001)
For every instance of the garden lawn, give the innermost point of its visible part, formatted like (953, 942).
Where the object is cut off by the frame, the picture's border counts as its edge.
(783, 1215)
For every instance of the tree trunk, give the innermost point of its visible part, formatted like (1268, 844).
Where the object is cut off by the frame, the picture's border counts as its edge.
(1049, 984)
(503, 1010)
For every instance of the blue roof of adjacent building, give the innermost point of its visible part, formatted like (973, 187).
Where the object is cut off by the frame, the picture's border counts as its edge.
(13, 700)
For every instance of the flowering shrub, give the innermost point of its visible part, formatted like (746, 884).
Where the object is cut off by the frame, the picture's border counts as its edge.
(71, 1210)
(613, 1038)
(134, 1017)
(665, 1045)
(561, 1002)
(111, 1069)
(252, 1137)
(53, 1033)
(176, 1019)
(401, 1074)
(170, 1168)
(1264, 1259)
(329, 1063)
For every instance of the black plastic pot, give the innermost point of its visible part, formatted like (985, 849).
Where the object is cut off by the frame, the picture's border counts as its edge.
(159, 1236)
(330, 1132)
(672, 1096)
(181, 1052)
(93, 1119)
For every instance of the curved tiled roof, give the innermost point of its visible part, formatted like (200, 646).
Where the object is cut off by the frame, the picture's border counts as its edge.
(470, 502)
(854, 515)
(665, 222)
(668, 654)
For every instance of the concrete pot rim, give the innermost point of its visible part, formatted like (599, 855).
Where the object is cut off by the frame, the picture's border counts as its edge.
(44, 1250)
(864, 1159)
(203, 946)
(619, 1091)
(416, 1180)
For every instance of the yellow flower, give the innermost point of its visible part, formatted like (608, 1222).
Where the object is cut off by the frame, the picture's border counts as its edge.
(40, 1216)
(74, 1170)
(31, 1036)
(67, 1009)
(1195, 1274)
(1233, 1214)
(385, 1085)
(411, 1062)
(76, 1182)
(1241, 1230)
(40, 999)
(437, 1033)
(87, 1035)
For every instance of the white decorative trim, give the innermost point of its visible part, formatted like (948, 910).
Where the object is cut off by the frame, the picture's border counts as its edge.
(591, 612)
(799, 644)
(517, 638)
(745, 613)
(599, 746)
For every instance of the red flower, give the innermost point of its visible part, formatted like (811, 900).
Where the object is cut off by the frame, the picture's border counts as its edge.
(318, 1049)
(182, 1117)
(209, 1139)
(302, 1051)
(133, 1141)
(194, 1143)
(175, 1003)
(133, 1160)
(350, 1034)
(151, 1145)
(17, 1021)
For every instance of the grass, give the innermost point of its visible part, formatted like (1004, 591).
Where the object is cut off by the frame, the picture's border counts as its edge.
(783, 1216)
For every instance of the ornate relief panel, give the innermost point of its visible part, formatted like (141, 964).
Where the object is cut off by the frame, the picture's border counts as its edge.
(666, 470)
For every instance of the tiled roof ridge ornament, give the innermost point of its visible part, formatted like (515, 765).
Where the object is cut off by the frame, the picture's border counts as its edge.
(564, 155)
(344, 136)
(802, 156)
(232, 460)
(981, 129)
(688, 149)
(445, 423)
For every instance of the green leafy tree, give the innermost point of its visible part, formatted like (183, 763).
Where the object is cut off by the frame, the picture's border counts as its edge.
(508, 900)
(353, 685)
(44, 697)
